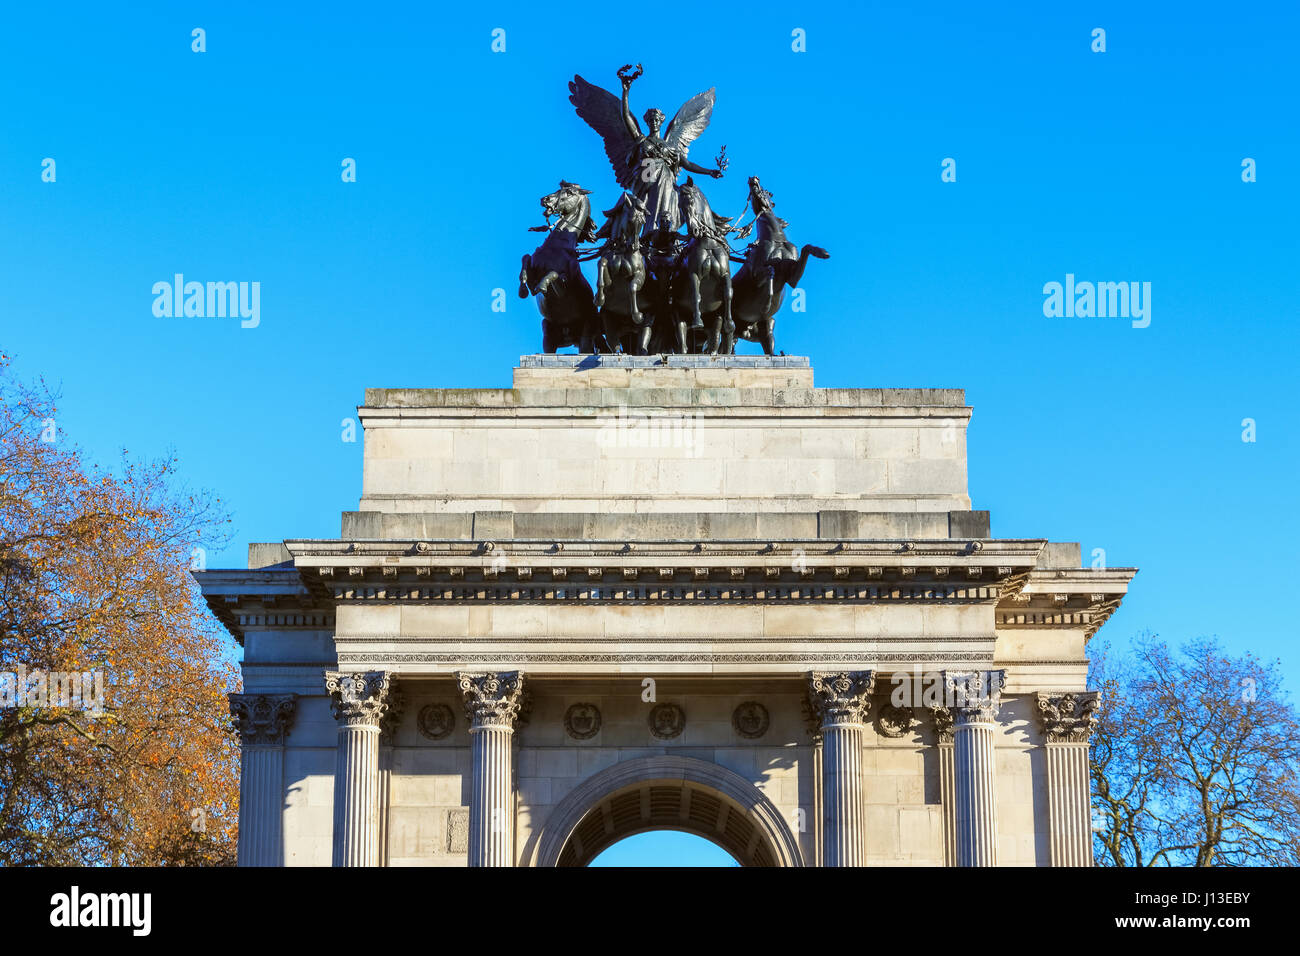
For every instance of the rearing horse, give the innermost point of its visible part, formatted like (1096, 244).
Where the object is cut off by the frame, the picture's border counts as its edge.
(621, 274)
(702, 280)
(552, 274)
(771, 263)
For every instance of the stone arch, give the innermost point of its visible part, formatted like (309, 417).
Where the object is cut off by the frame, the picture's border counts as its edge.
(667, 793)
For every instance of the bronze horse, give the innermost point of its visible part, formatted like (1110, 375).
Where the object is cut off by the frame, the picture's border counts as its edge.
(552, 274)
(621, 274)
(701, 283)
(771, 263)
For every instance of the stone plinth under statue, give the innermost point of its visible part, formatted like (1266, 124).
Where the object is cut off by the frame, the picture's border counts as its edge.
(696, 593)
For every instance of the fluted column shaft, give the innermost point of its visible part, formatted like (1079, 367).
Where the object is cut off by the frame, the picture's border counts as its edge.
(976, 802)
(359, 702)
(975, 698)
(844, 820)
(1068, 721)
(491, 816)
(356, 797)
(261, 785)
(842, 701)
(263, 720)
(493, 704)
(948, 799)
(818, 776)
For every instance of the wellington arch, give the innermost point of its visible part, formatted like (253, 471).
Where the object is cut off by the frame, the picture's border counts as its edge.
(677, 592)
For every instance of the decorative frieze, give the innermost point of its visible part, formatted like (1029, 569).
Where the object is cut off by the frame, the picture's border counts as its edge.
(841, 697)
(492, 699)
(1069, 717)
(263, 720)
(623, 591)
(797, 659)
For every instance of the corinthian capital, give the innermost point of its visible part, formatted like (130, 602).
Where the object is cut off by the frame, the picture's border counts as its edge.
(493, 699)
(974, 695)
(361, 699)
(841, 697)
(262, 719)
(942, 717)
(1068, 718)
(392, 716)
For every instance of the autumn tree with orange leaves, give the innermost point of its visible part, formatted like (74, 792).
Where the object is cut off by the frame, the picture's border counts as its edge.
(95, 581)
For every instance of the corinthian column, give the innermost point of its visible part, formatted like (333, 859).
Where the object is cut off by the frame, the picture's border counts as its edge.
(1068, 721)
(263, 720)
(359, 702)
(975, 697)
(492, 703)
(842, 700)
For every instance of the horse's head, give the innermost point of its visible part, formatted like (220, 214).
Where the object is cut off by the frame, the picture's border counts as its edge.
(696, 212)
(627, 217)
(571, 204)
(760, 198)
(690, 201)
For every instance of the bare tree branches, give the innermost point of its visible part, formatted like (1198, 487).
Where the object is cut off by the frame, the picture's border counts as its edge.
(1195, 760)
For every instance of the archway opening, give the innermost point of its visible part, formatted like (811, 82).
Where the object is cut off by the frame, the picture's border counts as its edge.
(667, 792)
(675, 848)
(668, 805)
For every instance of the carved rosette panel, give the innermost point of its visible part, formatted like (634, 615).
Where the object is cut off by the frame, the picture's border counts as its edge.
(1068, 718)
(359, 699)
(974, 695)
(750, 720)
(493, 699)
(893, 721)
(436, 721)
(666, 721)
(582, 721)
(841, 697)
(263, 719)
(943, 720)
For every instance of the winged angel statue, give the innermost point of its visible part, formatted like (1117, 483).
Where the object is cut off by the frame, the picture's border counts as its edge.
(647, 164)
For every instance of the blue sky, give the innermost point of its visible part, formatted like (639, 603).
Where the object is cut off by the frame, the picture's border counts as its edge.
(1115, 166)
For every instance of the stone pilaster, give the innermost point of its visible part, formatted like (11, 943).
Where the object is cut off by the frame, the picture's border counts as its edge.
(842, 702)
(263, 721)
(387, 739)
(359, 702)
(1068, 720)
(943, 730)
(493, 703)
(975, 698)
(813, 724)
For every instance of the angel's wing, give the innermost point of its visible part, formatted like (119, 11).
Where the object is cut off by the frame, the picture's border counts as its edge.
(603, 112)
(690, 121)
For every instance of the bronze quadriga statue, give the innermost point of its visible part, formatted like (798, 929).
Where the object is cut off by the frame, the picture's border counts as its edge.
(656, 289)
